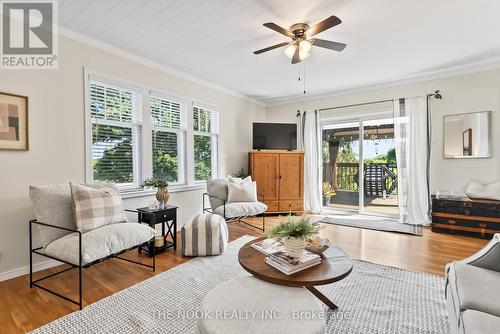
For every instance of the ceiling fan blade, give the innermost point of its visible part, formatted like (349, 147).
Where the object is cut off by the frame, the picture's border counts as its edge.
(328, 44)
(327, 23)
(296, 56)
(271, 48)
(279, 29)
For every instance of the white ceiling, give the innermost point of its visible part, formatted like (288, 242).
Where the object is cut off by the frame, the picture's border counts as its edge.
(214, 39)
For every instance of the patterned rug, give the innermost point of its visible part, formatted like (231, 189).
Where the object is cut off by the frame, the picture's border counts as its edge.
(373, 299)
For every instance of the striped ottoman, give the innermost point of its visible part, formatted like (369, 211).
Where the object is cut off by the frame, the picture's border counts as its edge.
(206, 234)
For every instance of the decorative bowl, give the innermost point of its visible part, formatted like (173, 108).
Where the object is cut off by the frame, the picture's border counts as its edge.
(317, 245)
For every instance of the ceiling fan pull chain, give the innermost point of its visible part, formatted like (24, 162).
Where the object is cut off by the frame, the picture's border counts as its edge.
(298, 68)
(304, 77)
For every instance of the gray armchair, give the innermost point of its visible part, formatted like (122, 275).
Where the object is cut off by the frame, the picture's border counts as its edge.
(217, 195)
(473, 291)
(58, 238)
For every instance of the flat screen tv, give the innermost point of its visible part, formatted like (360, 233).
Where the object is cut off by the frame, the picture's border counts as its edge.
(274, 136)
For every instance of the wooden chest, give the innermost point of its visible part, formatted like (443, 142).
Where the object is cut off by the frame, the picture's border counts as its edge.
(477, 217)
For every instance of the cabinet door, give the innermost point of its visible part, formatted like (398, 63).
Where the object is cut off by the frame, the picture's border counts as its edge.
(291, 176)
(265, 173)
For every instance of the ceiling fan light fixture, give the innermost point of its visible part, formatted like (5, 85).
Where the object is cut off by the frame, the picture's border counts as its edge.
(290, 50)
(305, 46)
(303, 54)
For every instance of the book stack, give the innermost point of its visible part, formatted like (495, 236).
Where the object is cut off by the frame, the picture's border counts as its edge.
(289, 265)
(278, 258)
(269, 246)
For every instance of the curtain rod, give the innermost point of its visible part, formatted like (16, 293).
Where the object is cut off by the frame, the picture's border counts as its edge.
(354, 105)
(436, 94)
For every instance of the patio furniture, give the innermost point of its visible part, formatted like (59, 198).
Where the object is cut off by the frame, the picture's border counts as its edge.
(217, 195)
(61, 240)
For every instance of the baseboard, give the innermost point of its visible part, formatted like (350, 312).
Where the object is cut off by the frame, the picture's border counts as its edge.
(26, 270)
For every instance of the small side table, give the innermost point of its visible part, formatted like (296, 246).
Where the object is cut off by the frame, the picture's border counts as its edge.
(167, 217)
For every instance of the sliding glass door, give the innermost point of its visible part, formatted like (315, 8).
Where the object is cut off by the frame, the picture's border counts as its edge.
(360, 175)
(341, 151)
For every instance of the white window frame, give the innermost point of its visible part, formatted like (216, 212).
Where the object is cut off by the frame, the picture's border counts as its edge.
(135, 126)
(213, 134)
(144, 163)
(181, 136)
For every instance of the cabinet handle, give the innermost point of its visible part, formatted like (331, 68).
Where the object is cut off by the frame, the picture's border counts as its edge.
(452, 222)
(483, 225)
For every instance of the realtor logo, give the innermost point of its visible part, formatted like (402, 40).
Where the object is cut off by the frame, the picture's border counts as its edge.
(29, 36)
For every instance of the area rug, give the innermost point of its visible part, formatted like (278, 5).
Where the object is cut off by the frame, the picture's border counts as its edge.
(373, 299)
(373, 223)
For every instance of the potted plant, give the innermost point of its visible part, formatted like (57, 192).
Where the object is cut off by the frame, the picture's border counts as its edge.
(241, 174)
(293, 232)
(162, 194)
(328, 192)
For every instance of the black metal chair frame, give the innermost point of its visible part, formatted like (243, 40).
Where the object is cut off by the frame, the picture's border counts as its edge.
(240, 219)
(78, 266)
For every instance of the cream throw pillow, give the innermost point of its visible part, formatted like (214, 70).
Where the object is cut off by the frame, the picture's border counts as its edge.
(244, 192)
(484, 191)
(239, 180)
(96, 205)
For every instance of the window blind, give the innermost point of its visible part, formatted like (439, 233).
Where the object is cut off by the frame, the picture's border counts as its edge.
(116, 134)
(206, 138)
(168, 142)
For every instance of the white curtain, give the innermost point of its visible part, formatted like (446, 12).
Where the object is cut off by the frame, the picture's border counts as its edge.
(312, 161)
(412, 157)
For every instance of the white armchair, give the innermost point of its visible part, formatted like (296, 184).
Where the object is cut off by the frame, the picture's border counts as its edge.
(217, 195)
(54, 234)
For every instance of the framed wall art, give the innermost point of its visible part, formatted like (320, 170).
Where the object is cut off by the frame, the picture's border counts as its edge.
(13, 122)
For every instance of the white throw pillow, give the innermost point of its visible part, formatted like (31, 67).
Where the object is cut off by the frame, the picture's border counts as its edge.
(239, 180)
(245, 192)
(485, 191)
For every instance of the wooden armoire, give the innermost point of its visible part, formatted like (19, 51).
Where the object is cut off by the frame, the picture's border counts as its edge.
(280, 179)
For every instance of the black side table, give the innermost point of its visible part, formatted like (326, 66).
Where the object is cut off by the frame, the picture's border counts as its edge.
(167, 217)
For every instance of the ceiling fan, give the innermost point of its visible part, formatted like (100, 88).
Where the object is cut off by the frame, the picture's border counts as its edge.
(301, 33)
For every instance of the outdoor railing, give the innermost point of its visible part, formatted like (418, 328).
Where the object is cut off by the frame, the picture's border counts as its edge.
(348, 175)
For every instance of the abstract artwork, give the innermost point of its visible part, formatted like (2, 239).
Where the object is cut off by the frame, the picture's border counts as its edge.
(13, 122)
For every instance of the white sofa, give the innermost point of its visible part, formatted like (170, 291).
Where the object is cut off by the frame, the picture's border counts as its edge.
(473, 291)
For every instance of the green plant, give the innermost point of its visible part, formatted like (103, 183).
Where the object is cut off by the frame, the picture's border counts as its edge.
(154, 183)
(328, 190)
(242, 173)
(294, 227)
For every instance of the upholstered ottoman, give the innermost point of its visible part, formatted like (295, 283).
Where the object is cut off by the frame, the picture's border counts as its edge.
(205, 234)
(249, 305)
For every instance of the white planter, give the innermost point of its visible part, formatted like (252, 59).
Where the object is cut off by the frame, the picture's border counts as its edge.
(294, 246)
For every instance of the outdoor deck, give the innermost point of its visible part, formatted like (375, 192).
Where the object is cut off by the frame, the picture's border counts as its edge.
(349, 200)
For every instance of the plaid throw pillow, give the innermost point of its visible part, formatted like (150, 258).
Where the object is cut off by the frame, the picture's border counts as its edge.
(96, 205)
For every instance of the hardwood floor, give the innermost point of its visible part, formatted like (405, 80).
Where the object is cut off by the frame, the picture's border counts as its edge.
(23, 309)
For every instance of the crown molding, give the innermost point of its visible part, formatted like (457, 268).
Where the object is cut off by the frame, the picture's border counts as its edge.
(476, 67)
(150, 63)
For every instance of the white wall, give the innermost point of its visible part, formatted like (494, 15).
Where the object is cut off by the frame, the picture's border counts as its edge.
(57, 139)
(465, 93)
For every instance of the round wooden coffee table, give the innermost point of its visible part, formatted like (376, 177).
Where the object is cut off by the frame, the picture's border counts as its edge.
(335, 265)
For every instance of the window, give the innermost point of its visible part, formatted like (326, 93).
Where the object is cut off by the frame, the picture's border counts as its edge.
(206, 128)
(116, 133)
(168, 140)
(133, 132)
